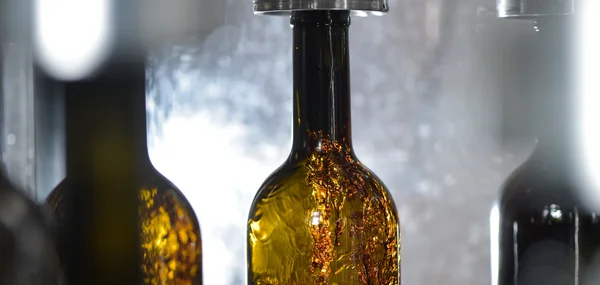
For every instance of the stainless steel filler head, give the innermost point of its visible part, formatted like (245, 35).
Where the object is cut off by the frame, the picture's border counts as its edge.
(285, 7)
(528, 9)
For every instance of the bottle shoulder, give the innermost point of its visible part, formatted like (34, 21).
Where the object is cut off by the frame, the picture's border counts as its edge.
(148, 178)
(154, 189)
(17, 203)
(152, 181)
(308, 180)
(168, 227)
(22, 224)
(538, 183)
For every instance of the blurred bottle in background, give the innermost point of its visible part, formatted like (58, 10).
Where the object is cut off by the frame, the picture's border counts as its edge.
(27, 255)
(542, 231)
(120, 221)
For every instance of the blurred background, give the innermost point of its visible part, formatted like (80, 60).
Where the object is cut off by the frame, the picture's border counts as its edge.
(439, 102)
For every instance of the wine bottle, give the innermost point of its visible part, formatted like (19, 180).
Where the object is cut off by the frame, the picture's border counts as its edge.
(27, 253)
(112, 198)
(546, 233)
(322, 217)
(106, 140)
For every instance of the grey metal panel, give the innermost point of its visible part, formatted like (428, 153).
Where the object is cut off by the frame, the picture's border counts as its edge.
(49, 135)
(17, 137)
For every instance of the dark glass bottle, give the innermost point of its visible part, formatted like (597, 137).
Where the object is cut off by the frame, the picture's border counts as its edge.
(27, 252)
(110, 177)
(322, 217)
(546, 234)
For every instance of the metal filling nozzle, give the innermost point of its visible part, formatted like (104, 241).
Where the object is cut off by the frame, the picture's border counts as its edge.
(528, 9)
(284, 7)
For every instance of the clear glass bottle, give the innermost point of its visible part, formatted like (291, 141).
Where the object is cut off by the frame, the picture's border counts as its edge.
(322, 217)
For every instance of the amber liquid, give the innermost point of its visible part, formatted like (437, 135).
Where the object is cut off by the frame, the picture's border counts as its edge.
(325, 219)
(322, 217)
(106, 147)
(169, 232)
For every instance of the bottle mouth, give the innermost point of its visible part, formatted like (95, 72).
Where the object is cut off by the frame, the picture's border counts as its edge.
(530, 9)
(361, 8)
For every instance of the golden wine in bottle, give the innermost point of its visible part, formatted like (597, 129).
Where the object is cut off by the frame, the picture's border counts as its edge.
(322, 217)
(103, 116)
(545, 232)
(105, 128)
(111, 182)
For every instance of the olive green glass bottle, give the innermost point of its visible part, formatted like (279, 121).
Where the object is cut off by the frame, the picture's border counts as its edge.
(106, 145)
(322, 217)
(114, 209)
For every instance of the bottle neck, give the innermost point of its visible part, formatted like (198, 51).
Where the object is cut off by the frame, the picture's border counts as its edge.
(553, 87)
(321, 80)
(106, 117)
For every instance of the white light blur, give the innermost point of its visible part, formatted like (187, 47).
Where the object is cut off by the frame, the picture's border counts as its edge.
(555, 212)
(589, 98)
(197, 151)
(72, 37)
(494, 243)
(316, 218)
(359, 13)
